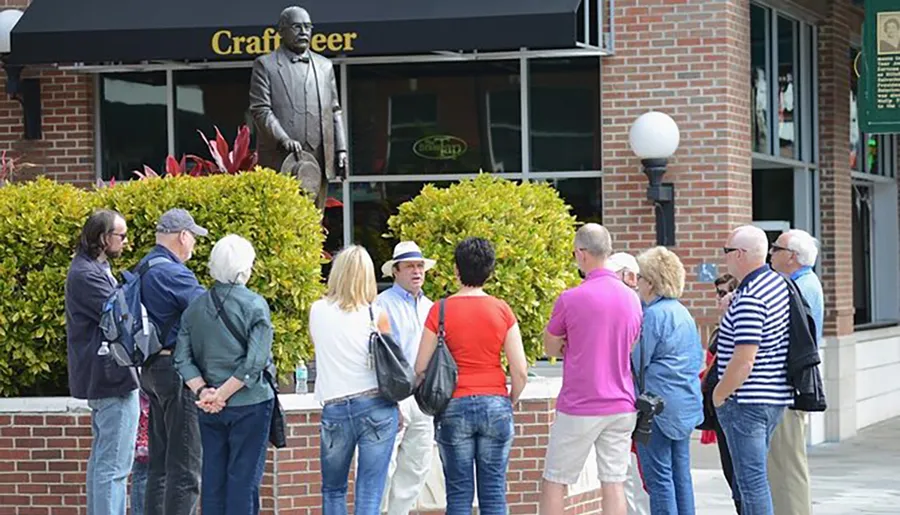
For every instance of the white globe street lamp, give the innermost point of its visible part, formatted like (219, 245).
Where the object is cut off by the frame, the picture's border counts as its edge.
(654, 137)
(8, 20)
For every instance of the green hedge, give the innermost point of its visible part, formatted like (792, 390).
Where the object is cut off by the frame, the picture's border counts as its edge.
(40, 223)
(532, 232)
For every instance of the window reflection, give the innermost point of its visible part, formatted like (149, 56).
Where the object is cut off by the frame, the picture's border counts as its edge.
(787, 90)
(435, 118)
(857, 156)
(565, 121)
(132, 123)
(205, 99)
(759, 99)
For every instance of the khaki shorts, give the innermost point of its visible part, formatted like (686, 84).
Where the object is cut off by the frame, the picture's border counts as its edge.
(571, 438)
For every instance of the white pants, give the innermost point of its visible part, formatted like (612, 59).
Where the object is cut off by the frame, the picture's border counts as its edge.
(636, 497)
(411, 461)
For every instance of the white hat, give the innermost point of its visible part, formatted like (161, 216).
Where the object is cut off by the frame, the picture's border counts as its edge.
(405, 251)
(622, 260)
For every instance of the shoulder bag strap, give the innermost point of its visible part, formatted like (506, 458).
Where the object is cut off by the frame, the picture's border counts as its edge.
(641, 364)
(220, 310)
(441, 336)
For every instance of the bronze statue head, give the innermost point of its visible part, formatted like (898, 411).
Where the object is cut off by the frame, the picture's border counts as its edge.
(295, 28)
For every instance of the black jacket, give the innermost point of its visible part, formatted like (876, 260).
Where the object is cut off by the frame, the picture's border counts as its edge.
(803, 355)
(88, 285)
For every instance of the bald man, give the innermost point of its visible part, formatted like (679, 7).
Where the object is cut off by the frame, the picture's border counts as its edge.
(753, 388)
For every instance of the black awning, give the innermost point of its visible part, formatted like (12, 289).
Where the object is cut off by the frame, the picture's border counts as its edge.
(132, 31)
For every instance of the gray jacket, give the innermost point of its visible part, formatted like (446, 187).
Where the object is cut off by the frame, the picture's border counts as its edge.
(88, 285)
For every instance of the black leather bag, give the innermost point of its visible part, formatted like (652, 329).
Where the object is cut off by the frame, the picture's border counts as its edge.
(277, 432)
(707, 385)
(436, 390)
(396, 377)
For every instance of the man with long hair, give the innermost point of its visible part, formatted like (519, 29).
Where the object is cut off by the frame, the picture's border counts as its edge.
(111, 390)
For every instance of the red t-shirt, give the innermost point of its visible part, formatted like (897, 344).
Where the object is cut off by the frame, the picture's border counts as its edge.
(475, 329)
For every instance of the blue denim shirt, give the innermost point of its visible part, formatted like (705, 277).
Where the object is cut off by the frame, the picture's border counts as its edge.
(673, 358)
(811, 289)
(407, 313)
(166, 290)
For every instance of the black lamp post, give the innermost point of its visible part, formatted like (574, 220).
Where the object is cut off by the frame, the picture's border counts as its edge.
(654, 137)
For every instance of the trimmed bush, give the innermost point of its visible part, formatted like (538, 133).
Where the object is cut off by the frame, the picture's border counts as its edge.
(530, 227)
(39, 226)
(36, 247)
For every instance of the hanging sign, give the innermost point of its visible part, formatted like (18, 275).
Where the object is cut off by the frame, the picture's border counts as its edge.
(879, 104)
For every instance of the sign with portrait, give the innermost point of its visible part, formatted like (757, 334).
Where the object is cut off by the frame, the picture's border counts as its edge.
(879, 103)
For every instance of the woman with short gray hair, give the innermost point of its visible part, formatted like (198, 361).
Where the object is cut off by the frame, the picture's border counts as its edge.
(225, 371)
(670, 357)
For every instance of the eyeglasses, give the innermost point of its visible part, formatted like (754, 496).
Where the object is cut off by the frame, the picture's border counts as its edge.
(778, 248)
(123, 236)
(729, 250)
(721, 293)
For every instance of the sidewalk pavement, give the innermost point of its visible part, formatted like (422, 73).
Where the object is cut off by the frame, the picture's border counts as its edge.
(858, 476)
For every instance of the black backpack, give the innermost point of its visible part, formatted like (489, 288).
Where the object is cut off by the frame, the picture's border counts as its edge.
(436, 390)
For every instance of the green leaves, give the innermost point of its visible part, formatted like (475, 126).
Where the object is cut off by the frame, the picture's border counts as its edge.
(531, 229)
(40, 223)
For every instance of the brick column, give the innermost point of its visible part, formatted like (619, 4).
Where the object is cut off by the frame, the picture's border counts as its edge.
(691, 60)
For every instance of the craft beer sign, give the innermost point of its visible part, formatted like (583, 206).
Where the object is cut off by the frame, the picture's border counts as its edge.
(227, 43)
(879, 105)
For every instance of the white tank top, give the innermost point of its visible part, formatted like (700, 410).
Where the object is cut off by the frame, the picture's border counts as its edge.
(341, 341)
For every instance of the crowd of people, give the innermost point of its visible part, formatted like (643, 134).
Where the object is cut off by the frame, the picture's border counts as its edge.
(637, 379)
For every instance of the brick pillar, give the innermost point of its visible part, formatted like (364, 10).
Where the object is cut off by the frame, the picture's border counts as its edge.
(835, 183)
(691, 60)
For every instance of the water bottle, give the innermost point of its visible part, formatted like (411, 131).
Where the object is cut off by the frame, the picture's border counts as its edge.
(301, 375)
(104, 349)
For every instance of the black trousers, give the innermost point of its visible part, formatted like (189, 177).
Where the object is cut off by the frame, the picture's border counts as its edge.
(727, 466)
(176, 454)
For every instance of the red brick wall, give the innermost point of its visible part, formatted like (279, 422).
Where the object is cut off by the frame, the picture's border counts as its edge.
(691, 60)
(43, 461)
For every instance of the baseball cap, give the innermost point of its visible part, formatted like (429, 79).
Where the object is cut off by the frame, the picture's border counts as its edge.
(177, 220)
(622, 260)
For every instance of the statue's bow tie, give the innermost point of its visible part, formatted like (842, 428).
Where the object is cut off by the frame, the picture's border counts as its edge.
(300, 58)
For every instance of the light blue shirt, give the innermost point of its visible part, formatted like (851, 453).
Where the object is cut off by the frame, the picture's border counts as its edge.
(407, 313)
(811, 288)
(673, 359)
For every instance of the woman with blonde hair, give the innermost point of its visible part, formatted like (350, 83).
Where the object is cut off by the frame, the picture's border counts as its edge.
(354, 416)
(670, 356)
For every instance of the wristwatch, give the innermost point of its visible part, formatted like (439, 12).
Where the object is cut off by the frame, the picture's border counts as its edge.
(199, 391)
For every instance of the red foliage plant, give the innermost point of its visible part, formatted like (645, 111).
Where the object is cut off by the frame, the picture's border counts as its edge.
(225, 160)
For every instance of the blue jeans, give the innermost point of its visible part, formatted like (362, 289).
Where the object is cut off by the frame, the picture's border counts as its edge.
(666, 464)
(234, 457)
(749, 428)
(138, 486)
(371, 424)
(474, 435)
(114, 424)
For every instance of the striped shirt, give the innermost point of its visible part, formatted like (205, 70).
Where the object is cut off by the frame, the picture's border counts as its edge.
(760, 315)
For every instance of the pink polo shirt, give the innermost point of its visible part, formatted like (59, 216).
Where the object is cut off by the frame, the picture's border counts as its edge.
(600, 320)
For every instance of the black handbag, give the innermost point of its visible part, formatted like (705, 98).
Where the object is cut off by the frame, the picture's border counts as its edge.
(277, 431)
(396, 378)
(707, 385)
(436, 389)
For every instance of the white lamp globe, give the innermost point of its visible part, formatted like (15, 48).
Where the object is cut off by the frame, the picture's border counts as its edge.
(654, 135)
(8, 20)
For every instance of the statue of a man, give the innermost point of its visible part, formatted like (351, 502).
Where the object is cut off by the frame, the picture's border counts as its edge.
(295, 104)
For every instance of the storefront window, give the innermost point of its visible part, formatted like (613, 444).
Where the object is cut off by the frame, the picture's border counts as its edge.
(773, 195)
(759, 78)
(435, 118)
(565, 115)
(857, 156)
(788, 90)
(584, 196)
(862, 253)
(205, 99)
(132, 123)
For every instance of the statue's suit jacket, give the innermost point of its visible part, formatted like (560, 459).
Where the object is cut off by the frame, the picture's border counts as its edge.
(274, 88)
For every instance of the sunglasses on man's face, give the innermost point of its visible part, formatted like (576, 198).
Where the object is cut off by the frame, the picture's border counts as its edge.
(721, 293)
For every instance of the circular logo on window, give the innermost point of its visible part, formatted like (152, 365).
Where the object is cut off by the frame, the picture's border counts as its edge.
(440, 147)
